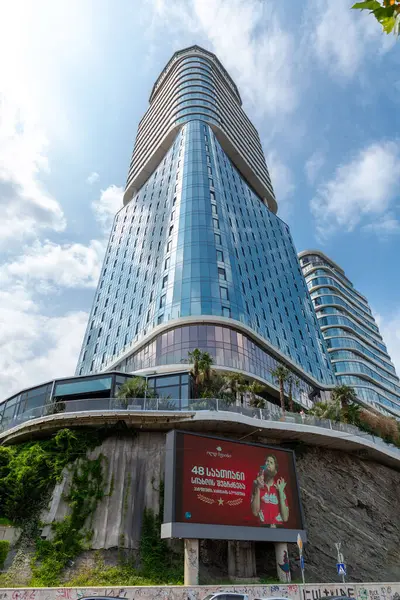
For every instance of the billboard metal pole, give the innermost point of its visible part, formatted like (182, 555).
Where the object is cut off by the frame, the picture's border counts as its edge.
(340, 559)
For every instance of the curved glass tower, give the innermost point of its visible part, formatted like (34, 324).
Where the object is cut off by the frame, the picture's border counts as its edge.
(197, 257)
(357, 351)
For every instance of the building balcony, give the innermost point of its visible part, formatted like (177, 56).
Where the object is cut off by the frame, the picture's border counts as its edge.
(204, 415)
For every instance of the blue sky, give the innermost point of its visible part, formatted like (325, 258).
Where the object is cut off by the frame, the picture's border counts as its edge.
(320, 82)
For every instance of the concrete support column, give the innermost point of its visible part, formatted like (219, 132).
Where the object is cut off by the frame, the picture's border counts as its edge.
(191, 557)
(241, 560)
(282, 562)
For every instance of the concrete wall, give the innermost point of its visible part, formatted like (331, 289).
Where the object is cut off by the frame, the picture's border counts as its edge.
(9, 534)
(364, 591)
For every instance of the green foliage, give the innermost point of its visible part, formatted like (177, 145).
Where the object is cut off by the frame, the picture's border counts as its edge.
(155, 552)
(201, 371)
(344, 395)
(4, 549)
(211, 384)
(386, 13)
(379, 425)
(326, 410)
(344, 408)
(351, 413)
(281, 374)
(121, 575)
(29, 471)
(292, 381)
(70, 537)
(136, 387)
(255, 389)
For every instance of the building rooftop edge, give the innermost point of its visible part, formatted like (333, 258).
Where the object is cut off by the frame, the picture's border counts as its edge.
(326, 257)
(194, 48)
(322, 255)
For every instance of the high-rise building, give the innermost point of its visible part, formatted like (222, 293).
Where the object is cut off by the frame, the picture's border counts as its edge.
(357, 351)
(197, 257)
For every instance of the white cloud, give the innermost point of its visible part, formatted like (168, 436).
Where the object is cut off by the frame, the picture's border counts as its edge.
(35, 347)
(92, 178)
(48, 266)
(27, 207)
(284, 187)
(106, 207)
(36, 71)
(313, 166)
(250, 40)
(342, 37)
(361, 188)
(384, 227)
(389, 326)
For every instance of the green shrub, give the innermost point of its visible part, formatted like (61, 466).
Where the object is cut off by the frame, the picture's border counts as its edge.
(120, 575)
(4, 549)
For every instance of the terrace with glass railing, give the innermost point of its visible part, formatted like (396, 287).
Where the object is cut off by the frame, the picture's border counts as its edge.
(87, 411)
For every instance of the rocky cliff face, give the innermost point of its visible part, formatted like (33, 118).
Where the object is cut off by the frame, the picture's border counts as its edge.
(355, 502)
(344, 499)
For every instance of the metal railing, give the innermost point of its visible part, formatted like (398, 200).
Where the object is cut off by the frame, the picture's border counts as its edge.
(271, 413)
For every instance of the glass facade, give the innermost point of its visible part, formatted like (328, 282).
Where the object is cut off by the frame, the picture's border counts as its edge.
(78, 394)
(195, 85)
(357, 351)
(197, 243)
(228, 347)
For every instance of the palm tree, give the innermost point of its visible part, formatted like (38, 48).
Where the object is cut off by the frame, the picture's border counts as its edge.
(135, 387)
(255, 388)
(201, 370)
(344, 394)
(194, 358)
(281, 374)
(205, 364)
(292, 381)
(326, 410)
(234, 385)
(352, 413)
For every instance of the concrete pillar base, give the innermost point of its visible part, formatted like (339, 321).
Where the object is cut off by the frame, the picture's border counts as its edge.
(191, 557)
(241, 560)
(282, 562)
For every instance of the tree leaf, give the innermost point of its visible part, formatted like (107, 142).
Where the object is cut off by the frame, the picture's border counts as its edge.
(383, 12)
(388, 24)
(367, 5)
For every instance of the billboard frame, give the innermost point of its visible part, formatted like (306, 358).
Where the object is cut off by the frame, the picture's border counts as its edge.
(171, 528)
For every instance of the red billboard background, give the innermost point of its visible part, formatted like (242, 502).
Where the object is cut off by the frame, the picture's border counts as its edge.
(215, 483)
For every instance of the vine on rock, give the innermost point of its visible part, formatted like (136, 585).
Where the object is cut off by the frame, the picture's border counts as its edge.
(155, 551)
(29, 471)
(70, 536)
(28, 474)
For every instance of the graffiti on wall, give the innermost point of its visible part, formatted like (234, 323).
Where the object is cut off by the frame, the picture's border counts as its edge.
(367, 591)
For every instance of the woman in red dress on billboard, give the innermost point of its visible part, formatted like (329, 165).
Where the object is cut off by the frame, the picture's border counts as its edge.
(268, 498)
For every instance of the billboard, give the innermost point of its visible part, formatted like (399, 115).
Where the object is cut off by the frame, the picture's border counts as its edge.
(224, 489)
